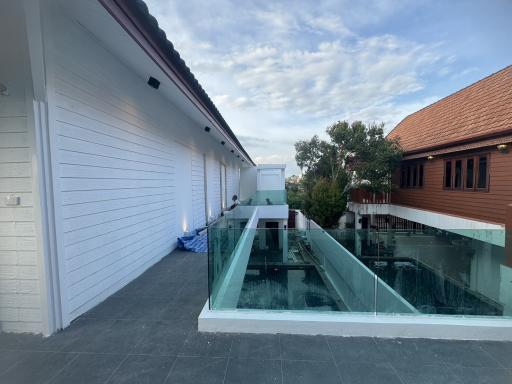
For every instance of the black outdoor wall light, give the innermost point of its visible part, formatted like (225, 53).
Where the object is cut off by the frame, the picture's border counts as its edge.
(153, 83)
(223, 142)
(232, 151)
(207, 129)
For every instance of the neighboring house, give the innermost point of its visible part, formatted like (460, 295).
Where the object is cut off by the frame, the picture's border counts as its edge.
(457, 164)
(109, 150)
(455, 179)
(458, 157)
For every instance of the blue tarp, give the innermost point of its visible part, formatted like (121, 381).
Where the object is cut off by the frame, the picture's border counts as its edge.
(197, 243)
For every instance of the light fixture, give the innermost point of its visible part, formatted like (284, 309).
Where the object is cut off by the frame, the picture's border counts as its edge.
(232, 151)
(503, 148)
(223, 142)
(3, 90)
(238, 156)
(207, 129)
(153, 83)
(430, 157)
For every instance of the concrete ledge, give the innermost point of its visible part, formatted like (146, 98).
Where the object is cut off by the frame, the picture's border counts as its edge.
(351, 324)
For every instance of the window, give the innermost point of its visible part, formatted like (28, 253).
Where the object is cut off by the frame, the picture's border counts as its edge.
(448, 174)
(470, 173)
(457, 184)
(482, 172)
(411, 176)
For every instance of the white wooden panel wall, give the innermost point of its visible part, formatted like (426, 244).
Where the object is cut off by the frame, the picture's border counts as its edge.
(20, 301)
(198, 191)
(232, 183)
(126, 165)
(114, 172)
(213, 187)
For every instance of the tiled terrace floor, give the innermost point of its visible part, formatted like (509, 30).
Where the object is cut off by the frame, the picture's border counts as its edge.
(146, 333)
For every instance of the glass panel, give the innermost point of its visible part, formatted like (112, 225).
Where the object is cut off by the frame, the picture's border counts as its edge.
(415, 176)
(402, 178)
(458, 174)
(266, 198)
(470, 166)
(482, 172)
(409, 181)
(295, 269)
(420, 181)
(223, 237)
(431, 271)
(448, 174)
(418, 270)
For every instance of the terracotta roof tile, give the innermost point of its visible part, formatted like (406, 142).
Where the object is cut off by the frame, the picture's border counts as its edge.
(481, 109)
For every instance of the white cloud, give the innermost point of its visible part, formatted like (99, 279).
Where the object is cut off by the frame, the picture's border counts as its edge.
(284, 71)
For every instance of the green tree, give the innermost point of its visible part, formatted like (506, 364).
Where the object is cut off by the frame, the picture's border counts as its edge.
(327, 203)
(355, 156)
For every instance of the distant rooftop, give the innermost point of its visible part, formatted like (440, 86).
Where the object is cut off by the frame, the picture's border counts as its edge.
(481, 110)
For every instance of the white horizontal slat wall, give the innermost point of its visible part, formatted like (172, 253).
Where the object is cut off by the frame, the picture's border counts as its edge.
(20, 296)
(198, 192)
(128, 165)
(232, 183)
(213, 188)
(114, 170)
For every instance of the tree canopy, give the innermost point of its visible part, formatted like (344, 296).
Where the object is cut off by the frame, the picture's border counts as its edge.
(354, 156)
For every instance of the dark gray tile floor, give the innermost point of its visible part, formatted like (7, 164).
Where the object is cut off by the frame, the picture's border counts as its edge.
(147, 333)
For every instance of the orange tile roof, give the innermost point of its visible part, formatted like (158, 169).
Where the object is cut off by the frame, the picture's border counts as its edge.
(479, 110)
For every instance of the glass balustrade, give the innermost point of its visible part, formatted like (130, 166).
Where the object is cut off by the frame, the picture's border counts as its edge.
(428, 272)
(266, 198)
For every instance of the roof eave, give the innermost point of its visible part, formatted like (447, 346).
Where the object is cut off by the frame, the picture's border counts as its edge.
(135, 19)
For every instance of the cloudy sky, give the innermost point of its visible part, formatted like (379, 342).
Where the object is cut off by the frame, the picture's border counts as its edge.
(283, 71)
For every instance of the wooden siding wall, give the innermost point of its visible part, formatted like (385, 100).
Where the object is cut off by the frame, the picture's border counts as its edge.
(125, 164)
(485, 206)
(20, 299)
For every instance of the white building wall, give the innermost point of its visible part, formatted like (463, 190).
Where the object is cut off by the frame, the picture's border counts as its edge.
(198, 190)
(123, 160)
(271, 177)
(213, 187)
(233, 183)
(21, 308)
(20, 300)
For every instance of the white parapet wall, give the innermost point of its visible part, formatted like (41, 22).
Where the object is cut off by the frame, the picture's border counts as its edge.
(476, 229)
(354, 324)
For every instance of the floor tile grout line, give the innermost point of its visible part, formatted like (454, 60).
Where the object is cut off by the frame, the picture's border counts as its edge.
(115, 369)
(282, 373)
(500, 365)
(170, 370)
(227, 362)
(226, 370)
(280, 346)
(450, 369)
(334, 360)
(396, 372)
(62, 369)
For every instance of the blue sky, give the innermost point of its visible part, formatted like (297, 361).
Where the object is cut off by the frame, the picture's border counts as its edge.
(281, 71)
